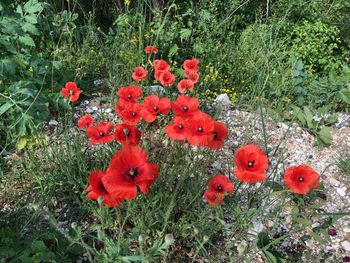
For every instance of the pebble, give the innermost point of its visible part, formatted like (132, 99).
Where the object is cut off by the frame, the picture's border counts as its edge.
(223, 100)
(346, 245)
(53, 122)
(109, 110)
(340, 191)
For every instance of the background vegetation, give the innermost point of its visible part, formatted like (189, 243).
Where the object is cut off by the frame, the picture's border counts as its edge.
(287, 55)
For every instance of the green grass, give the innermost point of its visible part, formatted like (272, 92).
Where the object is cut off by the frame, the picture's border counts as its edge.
(46, 201)
(45, 215)
(344, 164)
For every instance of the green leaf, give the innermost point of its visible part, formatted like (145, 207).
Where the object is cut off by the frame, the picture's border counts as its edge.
(318, 238)
(308, 117)
(5, 107)
(30, 28)
(33, 6)
(27, 40)
(173, 50)
(345, 95)
(270, 257)
(305, 222)
(325, 135)
(185, 33)
(7, 66)
(22, 142)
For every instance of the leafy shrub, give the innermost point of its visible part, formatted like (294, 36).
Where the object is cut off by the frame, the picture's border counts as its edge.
(318, 45)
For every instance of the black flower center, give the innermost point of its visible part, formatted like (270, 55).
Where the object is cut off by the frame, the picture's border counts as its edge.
(301, 179)
(251, 163)
(200, 129)
(185, 108)
(213, 197)
(102, 188)
(215, 135)
(219, 188)
(133, 113)
(101, 134)
(133, 173)
(155, 108)
(129, 96)
(180, 126)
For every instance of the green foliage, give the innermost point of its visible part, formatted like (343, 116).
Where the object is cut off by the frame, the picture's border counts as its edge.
(344, 163)
(317, 123)
(23, 70)
(317, 45)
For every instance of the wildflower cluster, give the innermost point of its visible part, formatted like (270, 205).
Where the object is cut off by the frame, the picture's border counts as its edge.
(130, 170)
(219, 84)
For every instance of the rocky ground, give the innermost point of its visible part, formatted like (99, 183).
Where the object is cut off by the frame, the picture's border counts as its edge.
(297, 146)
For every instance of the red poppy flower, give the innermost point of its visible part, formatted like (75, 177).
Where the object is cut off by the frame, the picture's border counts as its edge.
(101, 133)
(130, 93)
(185, 85)
(161, 65)
(213, 197)
(157, 75)
(191, 75)
(301, 179)
(200, 129)
(191, 64)
(219, 134)
(185, 106)
(167, 79)
(151, 49)
(221, 184)
(177, 130)
(129, 168)
(127, 134)
(152, 105)
(131, 114)
(97, 189)
(120, 106)
(85, 121)
(139, 74)
(71, 91)
(251, 164)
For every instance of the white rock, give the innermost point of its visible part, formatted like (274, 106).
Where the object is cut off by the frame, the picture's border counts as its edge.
(89, 110)
(157, 88)
(98, 82)
(340, 191)
(241, 247)
(109, 110)
(346, 229)
(223, 100)
(283, 126)
(53, 122)
(95, 108)
(346, 245)
(314, 225)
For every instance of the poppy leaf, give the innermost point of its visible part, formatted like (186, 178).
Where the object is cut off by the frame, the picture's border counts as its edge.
(319, 239)
(325, 235)
(308, 117)
(270, 257)
(303, 221)
(325, 135)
